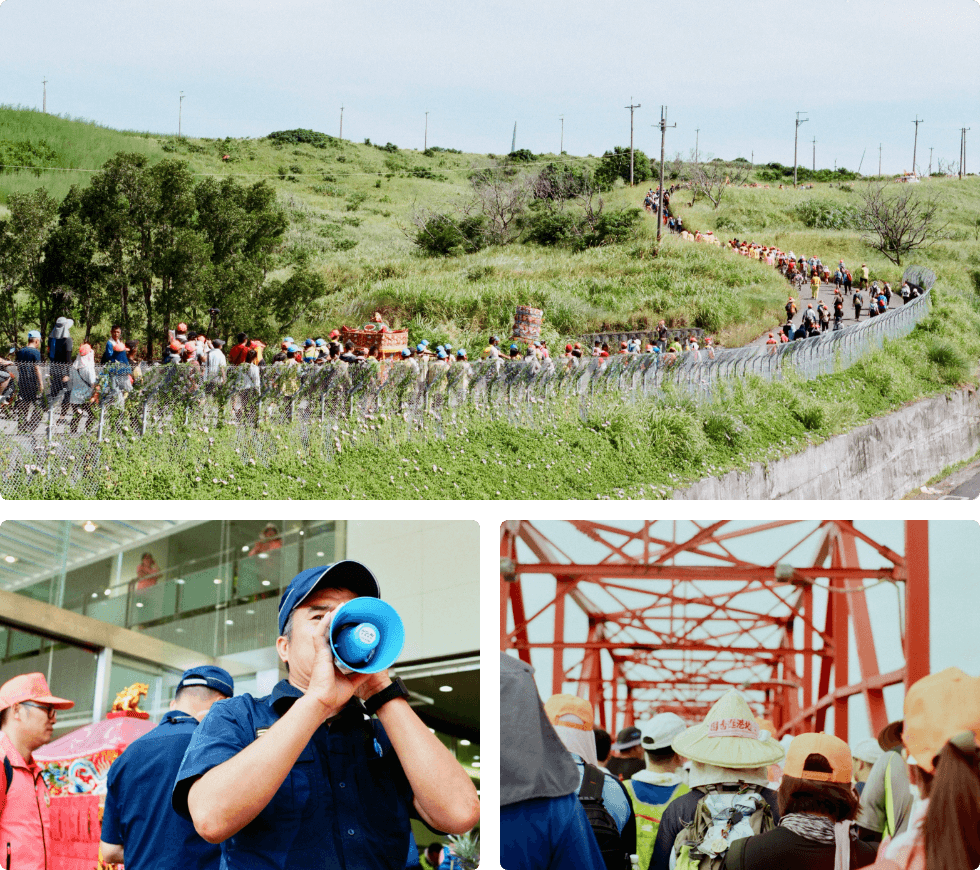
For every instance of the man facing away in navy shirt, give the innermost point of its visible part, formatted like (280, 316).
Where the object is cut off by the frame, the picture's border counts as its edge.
(140, 825)
(304, 777)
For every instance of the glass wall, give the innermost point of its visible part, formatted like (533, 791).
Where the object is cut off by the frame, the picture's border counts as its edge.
(213, 587)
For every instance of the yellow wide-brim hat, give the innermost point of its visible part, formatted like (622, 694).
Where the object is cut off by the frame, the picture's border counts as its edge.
(729, 736)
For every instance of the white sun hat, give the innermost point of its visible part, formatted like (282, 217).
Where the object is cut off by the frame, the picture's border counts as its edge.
(729, 737)
(659, 731)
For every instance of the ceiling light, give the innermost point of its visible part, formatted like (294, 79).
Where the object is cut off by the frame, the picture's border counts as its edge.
(108, 592)
(95, 594)
(179, 581)
(475, 764)
(266, 582)
(320, 553)
(432, 730)
(217, 581)
(445, 688)
(250, 612)
(139, 603)
(301, 534)
(229, 622)
(11, 559)
(180, 631)
(245, 548)
(263, 555)
(476, 757)
(464, 742)
(90, 526)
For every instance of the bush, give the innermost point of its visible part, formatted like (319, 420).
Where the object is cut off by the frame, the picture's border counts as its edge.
(826, 215)
(548, 227)
(521, 155)
(617, 225)
(947, 357)
(443, 236)
(302, 137)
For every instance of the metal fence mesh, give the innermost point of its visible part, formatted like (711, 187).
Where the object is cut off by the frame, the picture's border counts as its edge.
(63, 429)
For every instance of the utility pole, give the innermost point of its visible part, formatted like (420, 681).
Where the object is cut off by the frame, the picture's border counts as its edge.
(513, 139)
(697, 142)
(814, 153)
(915, 146)
(341, 123)
(426, 131)
(796, 137)
(44, 103)
(631, 107)
(879, 160)
(660, 199)
(930, 161)
(963, 151)
(180, 116)
(561, 147)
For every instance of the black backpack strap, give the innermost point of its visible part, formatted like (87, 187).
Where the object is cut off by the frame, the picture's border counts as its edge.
(592, 781)
(8, 772)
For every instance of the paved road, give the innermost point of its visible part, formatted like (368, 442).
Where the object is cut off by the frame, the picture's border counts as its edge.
(825, 294)
(963, 484)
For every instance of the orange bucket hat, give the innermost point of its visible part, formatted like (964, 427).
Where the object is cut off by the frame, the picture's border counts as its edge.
(30, 687)
(937, 708)
(570, 711)
(835, 750)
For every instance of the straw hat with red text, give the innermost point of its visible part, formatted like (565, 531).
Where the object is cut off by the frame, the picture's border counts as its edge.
(729, 737)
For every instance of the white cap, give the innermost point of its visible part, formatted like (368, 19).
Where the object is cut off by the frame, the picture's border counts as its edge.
(866, 750)
(660, 731)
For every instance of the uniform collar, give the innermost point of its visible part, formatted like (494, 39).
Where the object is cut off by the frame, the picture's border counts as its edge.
(16, 759)
(176, 716)
(285, 694)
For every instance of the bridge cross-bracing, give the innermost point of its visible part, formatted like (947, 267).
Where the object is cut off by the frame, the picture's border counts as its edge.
(676, 613)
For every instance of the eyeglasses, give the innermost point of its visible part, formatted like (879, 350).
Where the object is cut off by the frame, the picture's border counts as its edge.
(47, 709)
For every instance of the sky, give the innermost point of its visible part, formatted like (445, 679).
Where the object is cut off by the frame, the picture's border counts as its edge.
(954, 597)
(861, 71)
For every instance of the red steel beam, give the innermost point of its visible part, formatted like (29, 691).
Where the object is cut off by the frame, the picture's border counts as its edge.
(916, 601)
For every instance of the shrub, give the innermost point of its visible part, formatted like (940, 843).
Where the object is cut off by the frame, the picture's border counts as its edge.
(616, 164)
(443, 236)
(548, 227)
(521, 155)
(617, 225)
(827, 215)
(302, 137)
(947, 357)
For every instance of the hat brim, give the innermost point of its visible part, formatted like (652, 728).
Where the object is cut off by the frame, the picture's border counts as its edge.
(52, 701)
(736, 752)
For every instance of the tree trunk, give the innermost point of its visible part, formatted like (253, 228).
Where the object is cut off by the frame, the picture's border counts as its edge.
(148, 300)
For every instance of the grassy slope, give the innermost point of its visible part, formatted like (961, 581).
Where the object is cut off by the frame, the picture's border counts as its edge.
(625, 450)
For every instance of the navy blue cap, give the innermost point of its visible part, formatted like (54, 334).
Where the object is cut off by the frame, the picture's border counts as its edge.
(347, 574)
(209, 676)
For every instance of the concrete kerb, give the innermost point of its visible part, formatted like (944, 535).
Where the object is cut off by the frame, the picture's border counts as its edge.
(883, 459)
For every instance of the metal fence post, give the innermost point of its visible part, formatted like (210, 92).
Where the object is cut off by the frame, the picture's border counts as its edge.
(101, 421)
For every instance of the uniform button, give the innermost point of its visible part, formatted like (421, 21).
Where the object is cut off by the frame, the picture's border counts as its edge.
(350, 831)
(343, 785)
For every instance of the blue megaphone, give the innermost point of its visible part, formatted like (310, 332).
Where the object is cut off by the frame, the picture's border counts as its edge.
(366, 636)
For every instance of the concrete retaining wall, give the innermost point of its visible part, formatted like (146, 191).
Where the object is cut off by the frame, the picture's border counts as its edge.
(884, 459)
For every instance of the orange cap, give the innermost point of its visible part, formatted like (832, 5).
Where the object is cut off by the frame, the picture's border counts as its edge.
(181, 327)
(558, 706)
(835, 750)
(766, 725)
(937, 708)
(30, 687)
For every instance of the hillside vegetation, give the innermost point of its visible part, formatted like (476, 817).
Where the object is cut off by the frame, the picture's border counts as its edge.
(351, 210)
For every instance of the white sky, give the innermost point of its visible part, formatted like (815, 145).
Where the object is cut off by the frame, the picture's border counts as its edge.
(862, 69)
(954, 596)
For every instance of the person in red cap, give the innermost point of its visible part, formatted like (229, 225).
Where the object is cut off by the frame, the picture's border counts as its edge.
(27, 719)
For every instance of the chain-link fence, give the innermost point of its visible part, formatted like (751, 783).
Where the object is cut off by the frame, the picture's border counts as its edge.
(57, 418)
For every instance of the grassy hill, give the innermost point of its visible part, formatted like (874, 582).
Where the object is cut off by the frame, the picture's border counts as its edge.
(350, 207)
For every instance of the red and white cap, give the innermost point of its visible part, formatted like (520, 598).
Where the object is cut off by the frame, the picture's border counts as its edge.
(30, 687)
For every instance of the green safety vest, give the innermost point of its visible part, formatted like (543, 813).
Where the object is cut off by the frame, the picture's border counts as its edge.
(889, 802)
(648, 820)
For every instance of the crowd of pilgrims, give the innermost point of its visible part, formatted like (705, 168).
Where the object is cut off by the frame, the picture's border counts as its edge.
(725, 794)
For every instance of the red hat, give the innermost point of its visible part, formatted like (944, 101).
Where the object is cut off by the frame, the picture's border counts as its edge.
(175, 346)
(334, 334)
(30, 687)
(181, 327)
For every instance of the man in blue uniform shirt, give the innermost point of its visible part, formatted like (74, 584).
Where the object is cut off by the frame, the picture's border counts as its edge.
(304, 778)
(140, 826)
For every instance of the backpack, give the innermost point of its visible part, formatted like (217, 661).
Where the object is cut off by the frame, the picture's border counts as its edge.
(703, 843)
(601, 820)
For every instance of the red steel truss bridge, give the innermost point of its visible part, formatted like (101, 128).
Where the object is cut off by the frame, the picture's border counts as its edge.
(679, 612)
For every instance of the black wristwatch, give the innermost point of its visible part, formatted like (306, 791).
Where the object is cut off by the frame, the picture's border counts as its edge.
(395, 690)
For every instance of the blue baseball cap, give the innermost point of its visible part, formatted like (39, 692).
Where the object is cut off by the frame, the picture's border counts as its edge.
(441, 354)
(460, 352)
(33, 334)
(292, 349)
(347, 574)
(308, 343)
(289, 340)
(209, 676)
(406, 352)
(424, 342)
(420, 346)
(320, 342)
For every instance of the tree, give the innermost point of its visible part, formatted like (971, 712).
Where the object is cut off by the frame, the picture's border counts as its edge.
(502, 199)
(616, 164)
(899, 221)
(294, 298)
(22, 238)
(711, 179)
(71, 272)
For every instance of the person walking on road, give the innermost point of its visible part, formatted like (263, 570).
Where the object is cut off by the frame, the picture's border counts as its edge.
(858, 302)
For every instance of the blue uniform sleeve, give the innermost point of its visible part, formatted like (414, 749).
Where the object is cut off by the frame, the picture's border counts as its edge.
(225, 732)
(576, 847)
(111, 823)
